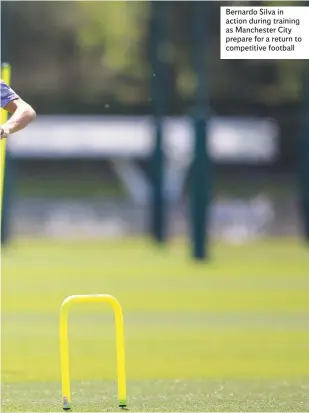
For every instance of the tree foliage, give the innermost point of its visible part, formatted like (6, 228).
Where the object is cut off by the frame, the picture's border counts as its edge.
(86, 52)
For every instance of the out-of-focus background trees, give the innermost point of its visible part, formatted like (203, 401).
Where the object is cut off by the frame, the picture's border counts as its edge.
(93, 58)
(62, 71)
(71, 57)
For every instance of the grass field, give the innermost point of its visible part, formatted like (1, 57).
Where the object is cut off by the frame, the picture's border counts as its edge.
(232, 335)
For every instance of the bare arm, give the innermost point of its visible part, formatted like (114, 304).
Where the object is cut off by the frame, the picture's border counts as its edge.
(22, 115)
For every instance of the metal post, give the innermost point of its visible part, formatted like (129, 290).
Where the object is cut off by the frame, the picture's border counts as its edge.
(304, 152)
(201, 179)
(158, 227)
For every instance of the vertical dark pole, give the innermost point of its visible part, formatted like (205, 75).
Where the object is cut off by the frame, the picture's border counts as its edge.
(200, 180)
(7, 188)
(6, 183)
(158, 99)
(304, 152)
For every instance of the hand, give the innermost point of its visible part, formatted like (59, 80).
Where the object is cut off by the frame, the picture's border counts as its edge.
(4, 132)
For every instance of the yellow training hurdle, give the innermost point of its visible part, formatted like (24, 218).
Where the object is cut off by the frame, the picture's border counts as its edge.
(64, 345)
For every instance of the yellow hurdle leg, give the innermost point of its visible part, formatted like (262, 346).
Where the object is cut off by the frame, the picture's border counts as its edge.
(64, 348)
(6, 77)
(64, 355)
(120, 353)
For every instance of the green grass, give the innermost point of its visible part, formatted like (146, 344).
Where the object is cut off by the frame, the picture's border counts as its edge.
(232, 335)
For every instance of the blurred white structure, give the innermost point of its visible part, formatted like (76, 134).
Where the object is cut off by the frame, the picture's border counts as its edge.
(125, 139)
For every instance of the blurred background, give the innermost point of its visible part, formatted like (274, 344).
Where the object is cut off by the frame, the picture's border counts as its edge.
(143, 134)
(96, 72)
